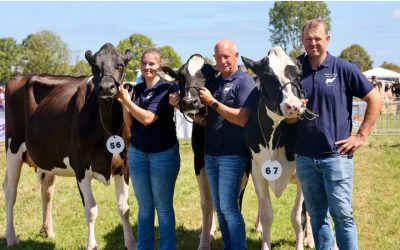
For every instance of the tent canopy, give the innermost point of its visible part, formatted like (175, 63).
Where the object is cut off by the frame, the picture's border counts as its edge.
(383, 74)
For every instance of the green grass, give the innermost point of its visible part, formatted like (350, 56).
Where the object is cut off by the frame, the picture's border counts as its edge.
(376, 206)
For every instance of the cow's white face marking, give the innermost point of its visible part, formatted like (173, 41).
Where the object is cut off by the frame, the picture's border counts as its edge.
(195, 64)
(291, 106)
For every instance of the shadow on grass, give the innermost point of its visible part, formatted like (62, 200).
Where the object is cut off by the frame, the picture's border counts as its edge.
(187, 239)
(28, 245)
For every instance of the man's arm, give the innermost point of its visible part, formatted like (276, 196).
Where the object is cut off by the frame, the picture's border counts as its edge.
(237, 116)
(374, 105)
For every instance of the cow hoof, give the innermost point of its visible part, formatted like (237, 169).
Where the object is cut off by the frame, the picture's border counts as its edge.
(309, 243)
(48, 232)
(12, 242)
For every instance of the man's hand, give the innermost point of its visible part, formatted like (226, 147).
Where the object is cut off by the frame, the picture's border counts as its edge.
(350, 145)
(205, 96)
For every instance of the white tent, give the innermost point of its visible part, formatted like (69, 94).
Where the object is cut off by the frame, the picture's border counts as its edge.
(382, 74)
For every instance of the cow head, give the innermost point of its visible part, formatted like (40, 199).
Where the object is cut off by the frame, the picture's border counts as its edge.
(191, 77)
(279, 83)
(107, 69)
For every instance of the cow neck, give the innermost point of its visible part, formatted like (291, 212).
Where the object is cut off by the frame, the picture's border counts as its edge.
(276, 119)
(109, 118)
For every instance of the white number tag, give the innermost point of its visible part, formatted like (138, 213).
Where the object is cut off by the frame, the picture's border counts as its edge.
(115, 144)
(271, 170)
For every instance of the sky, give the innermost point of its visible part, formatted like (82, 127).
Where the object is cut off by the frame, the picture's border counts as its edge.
(194, 27)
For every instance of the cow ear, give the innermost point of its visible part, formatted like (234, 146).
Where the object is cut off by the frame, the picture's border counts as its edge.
(164, 73)
(209, 71)
(89, 56)
(169, 71)
(128, 56)
(250, 64)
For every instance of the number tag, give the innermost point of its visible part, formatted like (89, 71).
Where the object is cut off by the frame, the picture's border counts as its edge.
(115, 144)
(271, 170)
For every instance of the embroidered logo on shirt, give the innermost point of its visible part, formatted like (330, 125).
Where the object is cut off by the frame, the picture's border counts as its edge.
(227, 87)
(149, 96)
(330, 78)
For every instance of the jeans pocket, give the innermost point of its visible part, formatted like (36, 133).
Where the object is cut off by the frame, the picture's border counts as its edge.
(338, 167)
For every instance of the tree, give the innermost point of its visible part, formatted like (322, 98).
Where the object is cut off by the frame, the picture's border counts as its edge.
(171, 57)
(287, 19)
(137, 44)
(391, 66)
(45, 52)
(81, 67)
(10, 53)
(357, 54)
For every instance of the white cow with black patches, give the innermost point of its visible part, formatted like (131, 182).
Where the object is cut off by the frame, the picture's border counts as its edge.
(271, 139)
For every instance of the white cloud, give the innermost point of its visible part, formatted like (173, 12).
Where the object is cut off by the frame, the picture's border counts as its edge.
(396, 13)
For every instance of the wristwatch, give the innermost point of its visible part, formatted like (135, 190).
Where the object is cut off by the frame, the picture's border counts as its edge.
(214, 105)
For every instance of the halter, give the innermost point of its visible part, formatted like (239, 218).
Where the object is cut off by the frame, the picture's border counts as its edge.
(273, 106)
(309, 115)
(180, 104)
(117, 83)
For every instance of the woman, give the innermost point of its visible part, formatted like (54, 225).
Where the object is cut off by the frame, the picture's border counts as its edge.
(153, 156)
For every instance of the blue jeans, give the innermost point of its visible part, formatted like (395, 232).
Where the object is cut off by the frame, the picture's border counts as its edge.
(153, 178)
(225, 175)
(327, 185)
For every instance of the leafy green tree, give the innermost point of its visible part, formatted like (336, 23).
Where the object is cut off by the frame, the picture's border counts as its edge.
(137, 44)
(357, 54)
(391, 66)
(45, 52)
(171, 58)
(287, 19)
(10, 53)
(81, 67)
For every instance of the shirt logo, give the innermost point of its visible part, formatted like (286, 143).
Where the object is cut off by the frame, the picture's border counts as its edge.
(330, 78)
(227, 87)
(150, 95)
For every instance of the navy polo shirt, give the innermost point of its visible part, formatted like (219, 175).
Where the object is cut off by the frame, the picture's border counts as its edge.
(329, 90)
(161, 134)
(223, 137)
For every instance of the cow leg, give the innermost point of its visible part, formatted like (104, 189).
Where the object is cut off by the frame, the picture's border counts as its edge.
(10, 185)
(308, 236)
(208, 220)
(90, 209)
(265, 206)
(296, 217)
(48, 184)
(122, 194)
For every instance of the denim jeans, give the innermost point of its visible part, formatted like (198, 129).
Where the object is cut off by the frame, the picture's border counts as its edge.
(225, 175)
(327, 185)
(153, 178)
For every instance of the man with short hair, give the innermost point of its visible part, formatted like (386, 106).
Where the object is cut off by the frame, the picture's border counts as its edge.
(325, 145)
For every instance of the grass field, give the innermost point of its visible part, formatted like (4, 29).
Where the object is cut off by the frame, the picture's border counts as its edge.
(376, 206)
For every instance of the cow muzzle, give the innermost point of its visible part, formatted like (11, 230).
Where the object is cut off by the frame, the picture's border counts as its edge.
(107, 88)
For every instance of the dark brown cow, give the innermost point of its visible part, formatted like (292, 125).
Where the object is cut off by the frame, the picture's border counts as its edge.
(60, 125)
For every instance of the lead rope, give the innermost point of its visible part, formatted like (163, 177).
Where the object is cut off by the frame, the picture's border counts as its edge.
(102, 123)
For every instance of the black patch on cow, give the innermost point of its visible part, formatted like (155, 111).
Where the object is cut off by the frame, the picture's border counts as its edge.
(284, 136)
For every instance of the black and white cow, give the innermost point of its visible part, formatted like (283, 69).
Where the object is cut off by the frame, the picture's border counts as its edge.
(60, 125)
(267, 135)
(271, 139)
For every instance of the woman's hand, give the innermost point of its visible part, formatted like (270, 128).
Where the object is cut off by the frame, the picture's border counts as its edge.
(174, 99)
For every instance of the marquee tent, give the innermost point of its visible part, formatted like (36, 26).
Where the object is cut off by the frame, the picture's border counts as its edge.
(382, 74)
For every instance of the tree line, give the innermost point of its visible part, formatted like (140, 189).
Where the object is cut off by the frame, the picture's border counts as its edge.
(46, 52)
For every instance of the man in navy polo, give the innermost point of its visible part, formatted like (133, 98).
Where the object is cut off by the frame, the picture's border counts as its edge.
(324, 145)
(231, 97)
